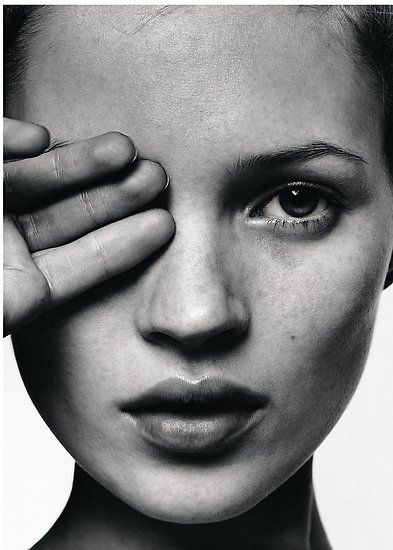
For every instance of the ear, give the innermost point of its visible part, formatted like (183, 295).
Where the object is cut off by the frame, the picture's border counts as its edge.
(389, 276)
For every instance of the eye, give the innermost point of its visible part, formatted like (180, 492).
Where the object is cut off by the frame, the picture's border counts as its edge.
(297, 208)
(294, 202)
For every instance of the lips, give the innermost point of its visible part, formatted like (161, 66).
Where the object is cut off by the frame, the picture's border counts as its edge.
(195, 417)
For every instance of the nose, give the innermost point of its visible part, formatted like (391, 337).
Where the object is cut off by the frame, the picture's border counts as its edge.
(190, 300)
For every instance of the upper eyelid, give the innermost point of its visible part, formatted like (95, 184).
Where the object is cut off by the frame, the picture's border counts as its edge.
(245, 186)
(323, 189)
(335, 202)
(268, 194)
(336, 170)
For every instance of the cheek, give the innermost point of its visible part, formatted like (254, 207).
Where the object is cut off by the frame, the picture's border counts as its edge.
(312, 325)
(66, 361)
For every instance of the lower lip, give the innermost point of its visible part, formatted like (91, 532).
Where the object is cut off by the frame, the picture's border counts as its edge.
(194, 433)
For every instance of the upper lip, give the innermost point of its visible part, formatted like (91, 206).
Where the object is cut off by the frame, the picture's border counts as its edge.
(206, 395)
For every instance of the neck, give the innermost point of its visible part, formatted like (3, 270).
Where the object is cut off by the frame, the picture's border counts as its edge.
(94, 518)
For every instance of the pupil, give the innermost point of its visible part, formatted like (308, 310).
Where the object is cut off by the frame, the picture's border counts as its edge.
(299, 202)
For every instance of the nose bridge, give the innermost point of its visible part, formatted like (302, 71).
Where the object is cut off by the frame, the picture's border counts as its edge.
(191, 297)
(199, 280)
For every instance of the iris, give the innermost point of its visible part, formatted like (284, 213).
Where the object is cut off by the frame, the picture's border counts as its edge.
(299, 202)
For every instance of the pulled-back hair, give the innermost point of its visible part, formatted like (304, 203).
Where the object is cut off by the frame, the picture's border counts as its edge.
(373, 31)
(372, 27)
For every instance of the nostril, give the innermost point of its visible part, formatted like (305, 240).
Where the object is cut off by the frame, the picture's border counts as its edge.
(198, 314)
(227, 340)
(160, 338)
(211, 343)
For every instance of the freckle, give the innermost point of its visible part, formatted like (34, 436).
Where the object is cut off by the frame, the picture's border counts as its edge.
(293, 337)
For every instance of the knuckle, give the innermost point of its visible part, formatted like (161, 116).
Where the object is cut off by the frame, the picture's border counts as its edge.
(57, 166)
(100, 253)
(36, 295)
(7, 182)
(73, 163)
(28, 225)
(87, 205)
(65, 165)
(43, 291)
(43, 276)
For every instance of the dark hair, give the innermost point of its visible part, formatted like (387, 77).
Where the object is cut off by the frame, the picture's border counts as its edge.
(19, 22)
(373, 31)
(372, 26)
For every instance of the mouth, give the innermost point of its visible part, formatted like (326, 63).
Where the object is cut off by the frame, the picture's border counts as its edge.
(182, 416)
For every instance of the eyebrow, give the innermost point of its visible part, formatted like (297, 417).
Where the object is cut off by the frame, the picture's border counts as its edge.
(291, 155)
(272, 160)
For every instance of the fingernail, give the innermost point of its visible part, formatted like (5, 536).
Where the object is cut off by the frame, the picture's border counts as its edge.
(167, 182)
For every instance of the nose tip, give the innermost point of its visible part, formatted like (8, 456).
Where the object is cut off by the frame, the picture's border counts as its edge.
(200, 328)
(194, 322)
(193, 298)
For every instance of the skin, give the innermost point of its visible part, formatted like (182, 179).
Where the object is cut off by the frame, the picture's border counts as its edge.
(196, 89)
(43, 265)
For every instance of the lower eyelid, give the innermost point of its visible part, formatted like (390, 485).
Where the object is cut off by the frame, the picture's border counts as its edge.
(313, 226)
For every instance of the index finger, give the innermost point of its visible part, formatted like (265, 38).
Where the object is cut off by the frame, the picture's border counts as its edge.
(23, 139)
(31, 181)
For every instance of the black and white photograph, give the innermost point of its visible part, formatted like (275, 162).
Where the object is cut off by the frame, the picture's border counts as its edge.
(197, 260)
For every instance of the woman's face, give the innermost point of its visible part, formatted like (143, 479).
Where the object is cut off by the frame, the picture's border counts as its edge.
(266, 284)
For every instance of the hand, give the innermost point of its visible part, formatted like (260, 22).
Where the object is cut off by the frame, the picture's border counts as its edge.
(65, 230)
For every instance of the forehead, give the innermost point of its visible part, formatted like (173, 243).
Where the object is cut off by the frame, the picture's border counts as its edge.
(217, 74)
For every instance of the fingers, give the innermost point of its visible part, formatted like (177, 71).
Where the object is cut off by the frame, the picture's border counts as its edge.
(25, 289)
(77, 215)
(60, 171)
(23, 139)
(88, 235)
(76, 267)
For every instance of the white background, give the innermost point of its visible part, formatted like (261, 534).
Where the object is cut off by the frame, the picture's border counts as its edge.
(353, 468)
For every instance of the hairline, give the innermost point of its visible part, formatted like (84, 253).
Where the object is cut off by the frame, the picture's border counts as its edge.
(32, 19)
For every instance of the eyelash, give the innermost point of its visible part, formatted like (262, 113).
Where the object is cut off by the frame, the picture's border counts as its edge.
(312, 225)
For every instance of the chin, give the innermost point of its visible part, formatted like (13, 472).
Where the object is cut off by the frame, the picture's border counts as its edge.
(200, 511)
(197, 495)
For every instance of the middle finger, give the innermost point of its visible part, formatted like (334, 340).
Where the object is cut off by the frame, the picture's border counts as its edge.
(77, 215)
(60, 171)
